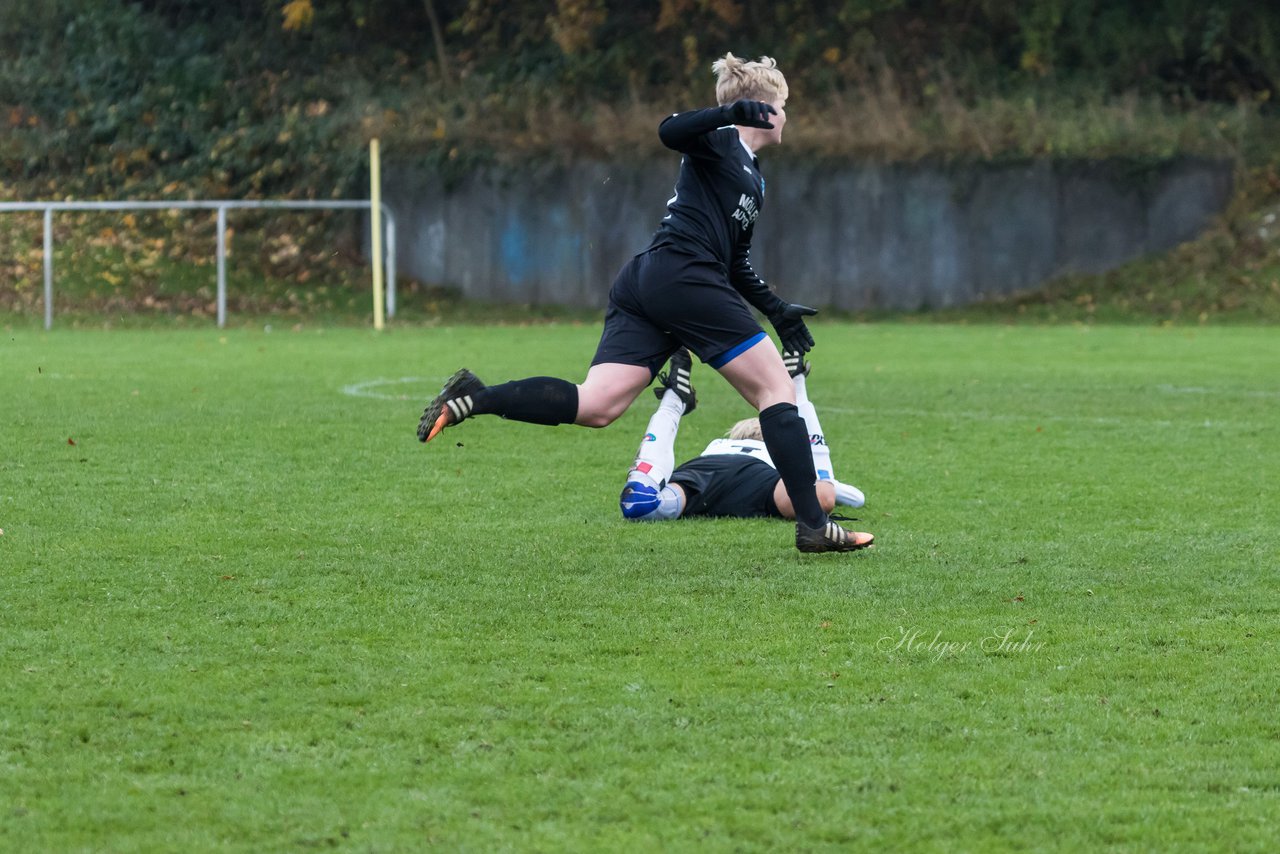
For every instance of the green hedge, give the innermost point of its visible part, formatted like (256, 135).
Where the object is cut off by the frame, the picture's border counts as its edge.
(245, 97)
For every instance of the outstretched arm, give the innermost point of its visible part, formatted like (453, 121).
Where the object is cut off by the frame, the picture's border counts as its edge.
(684, 132)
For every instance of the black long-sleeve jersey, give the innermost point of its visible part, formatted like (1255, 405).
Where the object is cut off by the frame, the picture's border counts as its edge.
(719, 195)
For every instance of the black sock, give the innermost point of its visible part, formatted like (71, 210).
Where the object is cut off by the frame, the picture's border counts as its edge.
(537, 400)
(787, 440)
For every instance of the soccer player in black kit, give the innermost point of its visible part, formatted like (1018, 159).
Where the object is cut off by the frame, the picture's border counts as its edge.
(692, 286)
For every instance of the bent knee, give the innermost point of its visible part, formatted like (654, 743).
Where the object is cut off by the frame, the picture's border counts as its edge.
(596, 419)
(826, 498)
(826, 495)
(600, 413)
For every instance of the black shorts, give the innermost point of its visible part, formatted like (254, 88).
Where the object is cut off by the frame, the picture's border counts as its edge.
(665, 297)
(728, 485)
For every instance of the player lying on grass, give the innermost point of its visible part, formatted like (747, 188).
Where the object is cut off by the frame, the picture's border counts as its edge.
(734, 476)
(693, 287)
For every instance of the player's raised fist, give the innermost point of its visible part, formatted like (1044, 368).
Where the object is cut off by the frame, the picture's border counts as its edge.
(752, 114)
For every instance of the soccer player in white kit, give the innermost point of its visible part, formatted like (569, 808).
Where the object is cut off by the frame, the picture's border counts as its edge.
(734, 476)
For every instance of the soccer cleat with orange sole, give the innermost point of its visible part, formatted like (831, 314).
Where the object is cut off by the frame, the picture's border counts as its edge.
(454, 403)
(831, 538)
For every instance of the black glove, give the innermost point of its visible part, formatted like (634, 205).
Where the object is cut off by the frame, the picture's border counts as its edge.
(752, 114)
(789, 324)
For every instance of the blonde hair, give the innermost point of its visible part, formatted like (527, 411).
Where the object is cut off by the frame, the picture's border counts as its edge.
(737, 79)
(747, 428)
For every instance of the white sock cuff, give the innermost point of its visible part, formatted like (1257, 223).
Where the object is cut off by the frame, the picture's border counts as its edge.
(671, 400)
(802, 393)
(817, 439)
(656, 454)
(850, 496)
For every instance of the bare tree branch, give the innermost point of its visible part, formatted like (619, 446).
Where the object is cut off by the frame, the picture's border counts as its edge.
(437, 35)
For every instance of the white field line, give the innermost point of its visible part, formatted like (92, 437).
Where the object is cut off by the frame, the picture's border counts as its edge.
(1232, 392)
(375, 388)
(1132, 421)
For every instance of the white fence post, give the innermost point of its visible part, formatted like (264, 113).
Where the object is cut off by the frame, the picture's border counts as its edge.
(391, 261)
(48, 268)
(222, 266)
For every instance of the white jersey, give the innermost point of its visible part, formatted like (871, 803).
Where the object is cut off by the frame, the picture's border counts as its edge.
(845, 494)
(750, 447)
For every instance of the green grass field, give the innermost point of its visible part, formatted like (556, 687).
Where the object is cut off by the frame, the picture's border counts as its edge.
(243, 609)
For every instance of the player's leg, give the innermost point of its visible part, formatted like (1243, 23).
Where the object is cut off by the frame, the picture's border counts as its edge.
(630, 352)
(826, 490)
(656, 456)
(645, 493)
(760, 377)
(643, 500)
(608, 391)
(604, 395)
(798, 369)
(843, 493)
(850, 496)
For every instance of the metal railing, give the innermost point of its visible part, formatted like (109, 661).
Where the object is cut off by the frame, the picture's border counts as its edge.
(221, 207)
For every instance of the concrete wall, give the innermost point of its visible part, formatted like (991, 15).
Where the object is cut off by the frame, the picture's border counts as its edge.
(853, 236)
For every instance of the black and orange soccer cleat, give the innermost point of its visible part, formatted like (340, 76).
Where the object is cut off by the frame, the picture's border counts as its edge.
(454, 403)
(830, 538)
